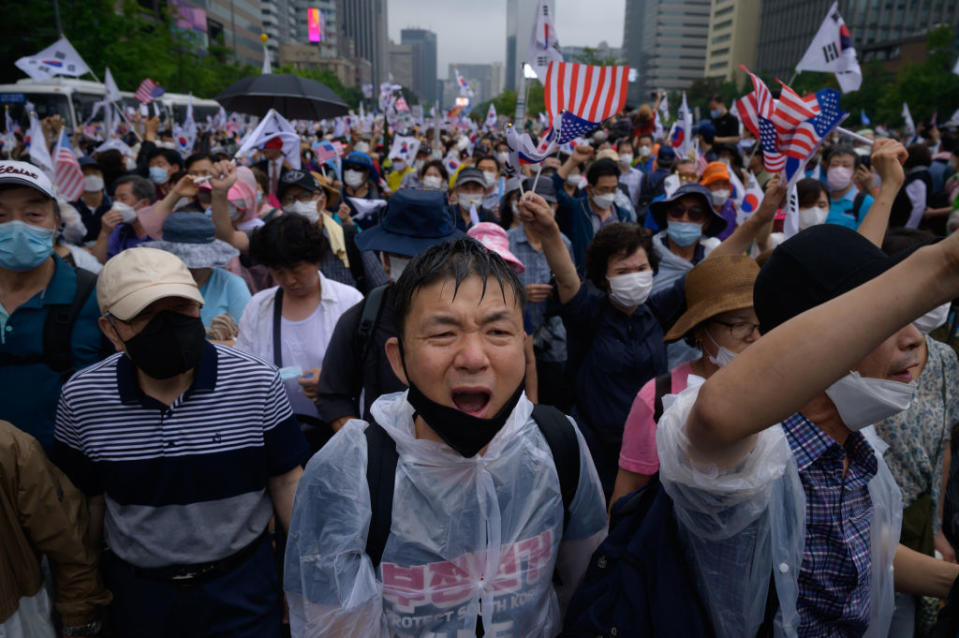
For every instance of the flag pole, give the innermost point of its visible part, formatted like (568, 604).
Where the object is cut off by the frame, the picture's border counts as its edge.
(855, 136)
(56, 15)
(539, 169)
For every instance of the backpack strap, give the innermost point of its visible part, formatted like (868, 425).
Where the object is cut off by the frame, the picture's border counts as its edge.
(561, 437)
(381, 458)
(664, 385)
(277, 323)
(369, 319)
(857, 204)
(58, 330)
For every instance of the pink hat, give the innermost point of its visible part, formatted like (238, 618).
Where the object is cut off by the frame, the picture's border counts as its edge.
(243, 193)
(495, 239)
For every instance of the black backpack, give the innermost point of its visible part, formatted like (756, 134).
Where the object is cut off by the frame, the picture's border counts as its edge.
(58, 330)
(381, 457)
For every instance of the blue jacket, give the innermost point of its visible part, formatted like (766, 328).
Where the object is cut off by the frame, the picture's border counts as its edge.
(575, 220)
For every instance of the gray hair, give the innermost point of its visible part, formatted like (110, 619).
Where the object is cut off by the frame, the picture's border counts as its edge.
(141, 187)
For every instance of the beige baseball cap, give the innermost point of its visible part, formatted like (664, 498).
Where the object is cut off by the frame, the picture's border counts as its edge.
(133, 279)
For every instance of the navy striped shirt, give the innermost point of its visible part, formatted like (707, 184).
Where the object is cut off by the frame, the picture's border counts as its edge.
(185, 483)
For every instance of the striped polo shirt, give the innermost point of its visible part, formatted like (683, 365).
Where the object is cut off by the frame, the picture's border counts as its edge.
(185, 483)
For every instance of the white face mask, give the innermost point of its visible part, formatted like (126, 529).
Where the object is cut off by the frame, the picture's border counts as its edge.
(397, 266)
(838, 177)
(130, 164)
(433, 182)
(626, 159)
(491, 178)
(933, 319)
(305, 209)
(418, 165)
(631, 290)
(604, 201)
(863, 401)
(399, 165)
(645, 151)
(468, 201)
(353, 178)
(573, 179)
(92, 183)
(502, 157)
(361, 147)
(813, 216)
(128, 212)
(723, 355)
(720, 196)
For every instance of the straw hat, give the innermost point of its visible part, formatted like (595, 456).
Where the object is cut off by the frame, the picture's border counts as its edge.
(713, 287)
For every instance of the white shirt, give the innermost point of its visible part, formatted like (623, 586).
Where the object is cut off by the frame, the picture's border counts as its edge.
(304, 342)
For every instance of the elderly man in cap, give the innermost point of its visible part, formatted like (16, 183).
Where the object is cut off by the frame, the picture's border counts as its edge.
(273, 163)
(185, 451)
(94, 202)
(48, 315)
(549, 334)
(773, 463)
(355, 369)
(469, 190)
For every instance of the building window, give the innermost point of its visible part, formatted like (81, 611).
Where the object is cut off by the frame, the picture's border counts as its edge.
(723, 25)
(719, 39)
(723, 12)
(723, 51)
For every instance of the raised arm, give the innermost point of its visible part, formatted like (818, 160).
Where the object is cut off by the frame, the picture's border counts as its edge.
(224, 176)
(581, 154)
(538, 217)
(887, 158)
(738, 243)
(152, 218)
(789, 366)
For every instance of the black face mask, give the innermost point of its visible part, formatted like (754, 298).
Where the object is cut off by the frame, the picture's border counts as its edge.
(463, 432)
(170, 344)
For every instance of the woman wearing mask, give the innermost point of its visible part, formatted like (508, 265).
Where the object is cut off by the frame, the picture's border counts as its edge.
(431, 176)
(813, 199)
(716, 179)
(848, 205)
(720, 321)
(614, 328)
(509, 205)
(360, 179)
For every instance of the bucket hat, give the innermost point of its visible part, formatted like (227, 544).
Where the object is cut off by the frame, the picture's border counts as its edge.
(714, 224)
(713, 287)
(413, 221)
(191, 237)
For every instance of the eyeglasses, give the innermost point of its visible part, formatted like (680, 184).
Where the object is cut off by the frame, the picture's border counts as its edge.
(740, 330)
(693, 214)
(302, 197)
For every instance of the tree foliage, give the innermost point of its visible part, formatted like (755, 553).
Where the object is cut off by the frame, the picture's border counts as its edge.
(135, 44)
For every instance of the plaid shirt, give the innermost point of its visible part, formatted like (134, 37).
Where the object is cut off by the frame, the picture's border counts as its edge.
(834, 580)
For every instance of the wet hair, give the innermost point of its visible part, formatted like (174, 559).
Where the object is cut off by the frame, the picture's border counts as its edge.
(842, 149)
(196, 157)
(141, 187)
(287, 240)
(808, 190)
(899, 240)
(601, 168)
(619, 239)
(172, 157)
(919, 155)
(457, 259)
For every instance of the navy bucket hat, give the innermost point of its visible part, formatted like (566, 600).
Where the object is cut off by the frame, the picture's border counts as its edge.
(715, 223)
(413, 221)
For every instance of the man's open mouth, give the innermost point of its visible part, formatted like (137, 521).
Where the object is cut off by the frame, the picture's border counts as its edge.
(473, 401)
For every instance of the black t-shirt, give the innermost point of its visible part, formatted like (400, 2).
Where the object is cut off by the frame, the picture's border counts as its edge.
(727, 125)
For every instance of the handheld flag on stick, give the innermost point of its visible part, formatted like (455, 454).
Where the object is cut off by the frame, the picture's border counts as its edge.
(831, 51)
(591, 93)
(60, 58)
(148, 91)
(543, 45)
(465, 89)
(907, 117)
(67, 174)
(37, 145)
(112, 92)
(273, 125)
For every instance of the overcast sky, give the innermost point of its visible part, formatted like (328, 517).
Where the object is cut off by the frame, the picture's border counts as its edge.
(474, 31)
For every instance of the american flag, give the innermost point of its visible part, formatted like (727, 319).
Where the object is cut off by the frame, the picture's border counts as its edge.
(804, 139)
(592, 93)
(66, 171)
(773, 159)
(148, 91)
(790, 110)
(757, 104)
(525, 151)
(325, 151)
(570, 127)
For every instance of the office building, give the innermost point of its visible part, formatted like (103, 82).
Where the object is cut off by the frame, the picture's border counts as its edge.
(402, 63)
(364, 22)
(877, 27)
(234, 24)
(520, 21)
(666, 43)
(277, 18)
(733, 35)
(423, 42)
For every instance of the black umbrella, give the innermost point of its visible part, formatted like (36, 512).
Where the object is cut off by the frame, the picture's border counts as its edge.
(292, 96)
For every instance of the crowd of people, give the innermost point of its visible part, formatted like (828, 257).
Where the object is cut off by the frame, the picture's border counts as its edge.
(243, 398)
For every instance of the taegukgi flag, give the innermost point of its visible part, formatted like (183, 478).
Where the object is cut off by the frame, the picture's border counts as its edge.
(60, 58)
(832, 51)
(543, 45)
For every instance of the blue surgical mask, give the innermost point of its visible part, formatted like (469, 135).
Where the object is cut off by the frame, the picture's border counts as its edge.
(714, 113)
(24, 246)
(684, 233)
(158, 175)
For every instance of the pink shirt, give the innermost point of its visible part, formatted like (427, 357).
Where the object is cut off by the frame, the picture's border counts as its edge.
(638, 454)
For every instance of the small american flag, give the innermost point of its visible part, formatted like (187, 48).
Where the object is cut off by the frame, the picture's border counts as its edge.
(804, 139)
(148, 91)
(773, 159)
(570, 127)
(757, 104)
(790, 110)
(66, 172)
(592, 93)
(325, 151)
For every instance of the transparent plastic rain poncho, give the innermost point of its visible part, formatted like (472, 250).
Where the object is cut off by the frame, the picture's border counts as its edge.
(478, 536)
(745, 523)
